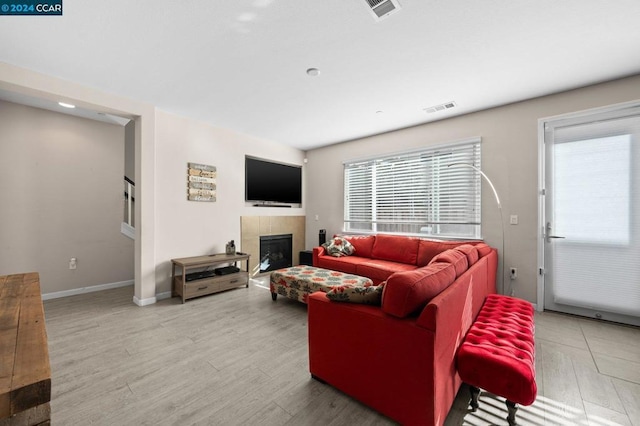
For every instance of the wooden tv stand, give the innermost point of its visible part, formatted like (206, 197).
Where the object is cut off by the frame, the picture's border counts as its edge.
(213, 284)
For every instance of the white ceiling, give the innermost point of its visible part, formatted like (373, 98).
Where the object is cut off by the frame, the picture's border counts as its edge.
(242, 64)
(41, 103)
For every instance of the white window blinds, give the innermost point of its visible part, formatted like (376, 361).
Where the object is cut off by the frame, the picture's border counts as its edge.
(416, 193)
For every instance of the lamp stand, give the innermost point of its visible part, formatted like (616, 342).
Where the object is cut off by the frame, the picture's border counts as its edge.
(495, 193)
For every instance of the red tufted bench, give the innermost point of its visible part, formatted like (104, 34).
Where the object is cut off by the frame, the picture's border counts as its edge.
(498, 353)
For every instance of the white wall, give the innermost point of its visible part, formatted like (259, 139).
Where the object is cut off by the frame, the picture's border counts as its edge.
(130, 150)
(160, 160)
(62, 192)
(31, 83)
(509, 157)
(189, 228)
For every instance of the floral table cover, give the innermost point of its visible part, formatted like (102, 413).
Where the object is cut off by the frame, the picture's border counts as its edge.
(297, 282)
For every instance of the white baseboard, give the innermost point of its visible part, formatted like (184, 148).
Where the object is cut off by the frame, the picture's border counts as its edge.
(82, 290)
(101, 287)
(152, 300)
(144, 302)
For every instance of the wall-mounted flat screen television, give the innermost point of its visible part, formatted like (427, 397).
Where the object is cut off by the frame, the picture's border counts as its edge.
(268, 181)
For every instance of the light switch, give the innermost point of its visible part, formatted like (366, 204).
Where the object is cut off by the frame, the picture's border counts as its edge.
(513, 220)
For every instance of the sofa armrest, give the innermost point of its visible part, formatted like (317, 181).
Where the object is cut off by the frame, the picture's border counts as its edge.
(317, 251)
(462, 300)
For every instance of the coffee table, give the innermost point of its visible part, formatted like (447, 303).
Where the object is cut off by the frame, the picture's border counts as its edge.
(298, 282)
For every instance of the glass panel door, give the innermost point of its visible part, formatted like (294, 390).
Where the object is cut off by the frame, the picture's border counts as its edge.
(592, 221)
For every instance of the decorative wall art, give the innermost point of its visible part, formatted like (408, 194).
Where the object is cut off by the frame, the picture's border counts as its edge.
(201, 182)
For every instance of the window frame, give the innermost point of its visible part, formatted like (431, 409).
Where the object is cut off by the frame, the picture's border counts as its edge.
(432, 210)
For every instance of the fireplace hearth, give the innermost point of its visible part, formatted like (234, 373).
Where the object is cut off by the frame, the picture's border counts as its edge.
(276, 252)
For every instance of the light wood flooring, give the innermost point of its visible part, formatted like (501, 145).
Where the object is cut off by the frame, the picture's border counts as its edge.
(239, 358)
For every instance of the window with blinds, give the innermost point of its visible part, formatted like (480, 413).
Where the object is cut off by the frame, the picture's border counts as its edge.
(416, 193)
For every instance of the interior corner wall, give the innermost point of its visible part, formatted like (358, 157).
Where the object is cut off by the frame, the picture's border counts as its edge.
(192, 228)
(62, 192)
(509, 157)
(34, 84)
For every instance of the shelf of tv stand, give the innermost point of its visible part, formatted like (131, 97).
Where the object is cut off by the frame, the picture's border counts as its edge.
(214, 284)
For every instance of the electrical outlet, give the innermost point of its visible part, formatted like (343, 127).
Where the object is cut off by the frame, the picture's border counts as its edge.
(513, 219)
(513, 273)
(73, 263)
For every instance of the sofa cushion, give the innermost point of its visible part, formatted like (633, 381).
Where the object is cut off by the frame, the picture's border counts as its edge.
(470, 251)
(338, 247)
(344, 264)
(380, 270)
(409, 291)
(483, 249)
(367, 294)
(457, 258)
(428, 249)
(362, 243)
(395, 249)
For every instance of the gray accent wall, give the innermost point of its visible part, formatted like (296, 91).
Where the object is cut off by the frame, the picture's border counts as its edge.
(62, 197)
(509, 157)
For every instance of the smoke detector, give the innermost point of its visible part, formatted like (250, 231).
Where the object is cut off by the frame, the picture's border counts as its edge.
(382, 8)
(441, 107)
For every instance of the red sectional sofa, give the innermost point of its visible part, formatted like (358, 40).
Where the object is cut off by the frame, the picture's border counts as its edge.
(399, 358)
(379, 256)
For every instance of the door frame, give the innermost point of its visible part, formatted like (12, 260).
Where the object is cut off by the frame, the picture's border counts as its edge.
(542, 179)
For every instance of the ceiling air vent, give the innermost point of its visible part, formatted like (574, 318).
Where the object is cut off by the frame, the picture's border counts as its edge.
(441, 107)
(383, 8)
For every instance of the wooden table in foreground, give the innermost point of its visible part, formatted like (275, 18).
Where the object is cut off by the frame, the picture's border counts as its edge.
(25, 373)
(213, 284)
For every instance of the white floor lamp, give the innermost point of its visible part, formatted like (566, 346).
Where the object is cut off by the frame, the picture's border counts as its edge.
(495, 193)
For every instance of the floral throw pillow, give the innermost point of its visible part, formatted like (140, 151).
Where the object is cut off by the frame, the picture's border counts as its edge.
(367, 294)
(338, 247)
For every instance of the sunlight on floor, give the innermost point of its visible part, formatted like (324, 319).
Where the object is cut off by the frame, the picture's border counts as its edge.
(544, 411)
(261, 282)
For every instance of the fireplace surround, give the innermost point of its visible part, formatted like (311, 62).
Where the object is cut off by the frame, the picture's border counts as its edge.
(254, 227)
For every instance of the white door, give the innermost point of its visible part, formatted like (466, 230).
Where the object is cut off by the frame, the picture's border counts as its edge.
(591, 226)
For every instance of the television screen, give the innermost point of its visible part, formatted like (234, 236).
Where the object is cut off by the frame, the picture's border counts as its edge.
(273, 182)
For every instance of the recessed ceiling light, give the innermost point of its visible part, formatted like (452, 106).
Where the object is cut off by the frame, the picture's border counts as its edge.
(379, 112)
(313, 72)
(66, 105)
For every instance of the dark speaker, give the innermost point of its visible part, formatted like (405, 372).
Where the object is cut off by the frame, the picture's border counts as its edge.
(322, 236)
(306, 257)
